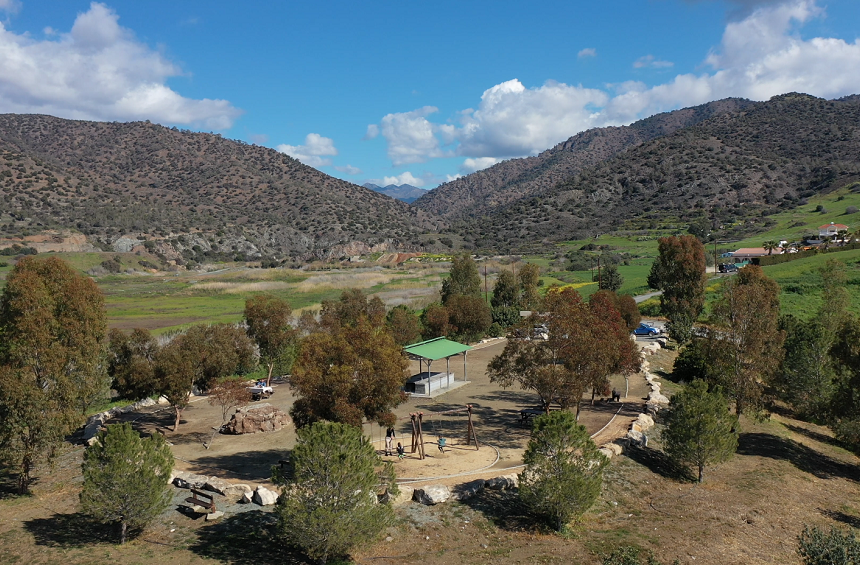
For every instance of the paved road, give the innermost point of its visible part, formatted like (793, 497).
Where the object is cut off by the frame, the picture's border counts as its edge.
(644, 297)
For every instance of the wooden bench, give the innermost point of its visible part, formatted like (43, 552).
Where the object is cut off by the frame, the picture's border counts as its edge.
(201, 499)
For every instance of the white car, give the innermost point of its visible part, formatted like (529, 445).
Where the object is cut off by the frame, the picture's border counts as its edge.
(261, 391)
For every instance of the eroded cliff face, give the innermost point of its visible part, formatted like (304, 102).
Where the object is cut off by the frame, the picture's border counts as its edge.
(52, 241)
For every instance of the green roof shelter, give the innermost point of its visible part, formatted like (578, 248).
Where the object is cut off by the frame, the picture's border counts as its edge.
(433, 350)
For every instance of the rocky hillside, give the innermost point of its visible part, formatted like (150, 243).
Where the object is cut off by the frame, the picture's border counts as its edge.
(730, 170)
(108, 180)
(484, 191)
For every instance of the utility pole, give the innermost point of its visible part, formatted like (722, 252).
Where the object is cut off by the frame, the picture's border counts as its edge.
(599, 278)
(715, 256)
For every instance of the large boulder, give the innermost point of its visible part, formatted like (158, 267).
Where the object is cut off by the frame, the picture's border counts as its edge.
(237, 491)
(405, 495)
(503, 482)
(214, 484)
(613, 447)
(432, 494)
(645, 422)
(466, 491)
(657, 398)
(265, 497)
(184, 479)
(258, 418)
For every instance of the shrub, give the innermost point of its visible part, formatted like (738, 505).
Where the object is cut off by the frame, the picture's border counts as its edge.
(330, 506)
(650, 307)
(700, 430)
(125, 478)
(563, 469)
(851, 210)
(837, 547)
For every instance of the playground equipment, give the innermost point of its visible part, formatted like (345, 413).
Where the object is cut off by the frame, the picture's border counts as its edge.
(417, 420)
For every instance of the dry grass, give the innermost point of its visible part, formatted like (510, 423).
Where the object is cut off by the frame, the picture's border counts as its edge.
(241, 288)
(316, 283)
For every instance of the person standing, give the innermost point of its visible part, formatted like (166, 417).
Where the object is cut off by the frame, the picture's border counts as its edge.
(389, 439)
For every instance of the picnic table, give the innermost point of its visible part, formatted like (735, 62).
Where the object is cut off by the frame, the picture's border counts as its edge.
(529, 413)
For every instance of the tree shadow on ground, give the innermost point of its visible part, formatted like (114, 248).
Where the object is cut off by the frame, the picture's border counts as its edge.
(246, 465)
(505, 510)
(853, 521)
(71, 530)
(248, 538)
(802, 457)
(659, 463)
(8, 484)
(813, 435)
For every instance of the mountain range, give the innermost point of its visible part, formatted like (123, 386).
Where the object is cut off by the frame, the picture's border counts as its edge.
(198, 196)
(405, 192)
(108, 180)
(728, 163)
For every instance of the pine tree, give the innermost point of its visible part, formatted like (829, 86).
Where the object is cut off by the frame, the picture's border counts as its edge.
(330, 506)
(699, 430)
(611, 279)
(125, 478)
(505, 292)
(564, 469)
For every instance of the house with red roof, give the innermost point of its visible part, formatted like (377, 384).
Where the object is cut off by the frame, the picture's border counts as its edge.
(831, 229)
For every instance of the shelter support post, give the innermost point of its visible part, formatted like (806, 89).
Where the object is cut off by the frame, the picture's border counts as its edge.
(448, 370)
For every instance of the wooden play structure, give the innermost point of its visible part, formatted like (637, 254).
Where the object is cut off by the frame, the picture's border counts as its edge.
(417, 420)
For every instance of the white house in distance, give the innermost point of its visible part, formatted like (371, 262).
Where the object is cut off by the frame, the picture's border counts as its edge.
(831, 229)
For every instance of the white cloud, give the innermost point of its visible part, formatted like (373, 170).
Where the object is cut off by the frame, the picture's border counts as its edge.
(348, 170)
(98, 71)
(11, 6)
(649, 62)
(471, 165)
(403, 178)
(372, 131)
(587, 52)
(313, 152)
(410, 136)
(758, 57)
(513, 120)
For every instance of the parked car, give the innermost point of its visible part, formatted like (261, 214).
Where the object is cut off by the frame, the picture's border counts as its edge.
(645, 329)
(728, 268)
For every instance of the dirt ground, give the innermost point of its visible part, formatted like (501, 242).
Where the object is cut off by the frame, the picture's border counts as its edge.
(495, 416)
(750, 510)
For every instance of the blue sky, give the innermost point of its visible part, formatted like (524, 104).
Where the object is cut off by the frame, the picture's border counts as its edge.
(415, 92)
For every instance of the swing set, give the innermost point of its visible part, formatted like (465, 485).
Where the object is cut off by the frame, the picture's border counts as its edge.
(417, 420)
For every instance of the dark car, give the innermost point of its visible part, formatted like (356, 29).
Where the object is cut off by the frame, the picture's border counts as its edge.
(645, 329)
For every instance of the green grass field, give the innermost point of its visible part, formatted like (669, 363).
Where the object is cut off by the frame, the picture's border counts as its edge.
(804, 220)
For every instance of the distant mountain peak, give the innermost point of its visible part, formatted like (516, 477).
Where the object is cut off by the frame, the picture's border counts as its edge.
(405, 192)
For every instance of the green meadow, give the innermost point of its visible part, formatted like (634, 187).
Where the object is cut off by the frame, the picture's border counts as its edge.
(163, 302)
